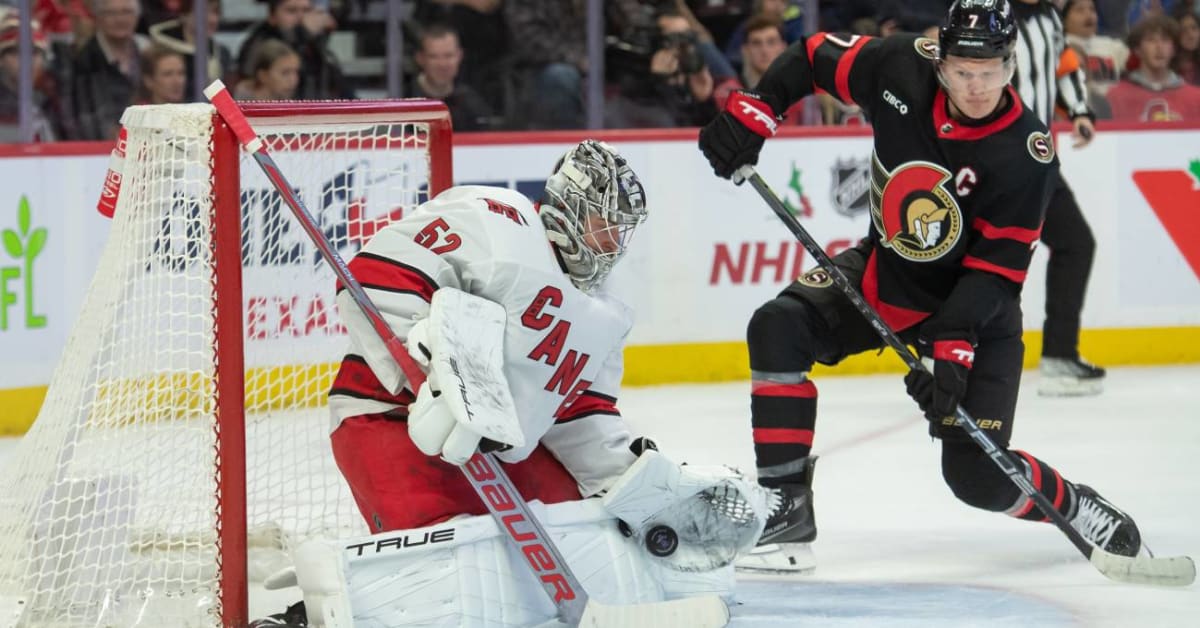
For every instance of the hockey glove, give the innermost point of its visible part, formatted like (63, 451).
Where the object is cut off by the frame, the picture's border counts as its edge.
(460, 344)
(734, 138)
(418, 343)
(435, 429)
(940, 388)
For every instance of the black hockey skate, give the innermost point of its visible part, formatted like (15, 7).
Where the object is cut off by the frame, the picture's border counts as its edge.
(1070, 377)
(785, 544)
(1103, 524)
(295, 616)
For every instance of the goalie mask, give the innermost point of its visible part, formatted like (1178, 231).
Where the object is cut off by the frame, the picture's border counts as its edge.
(592, 203)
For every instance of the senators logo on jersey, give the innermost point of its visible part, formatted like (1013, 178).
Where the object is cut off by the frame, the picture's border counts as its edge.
(816, 278)
(913, 211)
(926, 47)
(1041, 147)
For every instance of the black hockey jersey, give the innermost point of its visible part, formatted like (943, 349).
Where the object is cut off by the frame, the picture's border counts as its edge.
(956, 208)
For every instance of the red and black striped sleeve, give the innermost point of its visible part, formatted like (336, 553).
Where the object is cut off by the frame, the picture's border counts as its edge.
(846, 66)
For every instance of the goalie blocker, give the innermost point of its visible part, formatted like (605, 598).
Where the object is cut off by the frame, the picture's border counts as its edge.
(462, 572)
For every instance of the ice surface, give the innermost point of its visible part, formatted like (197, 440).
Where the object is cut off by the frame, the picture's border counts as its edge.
(896, 549)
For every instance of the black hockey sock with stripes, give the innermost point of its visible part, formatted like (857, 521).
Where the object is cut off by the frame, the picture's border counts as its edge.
(1049, 482)
(783, 413)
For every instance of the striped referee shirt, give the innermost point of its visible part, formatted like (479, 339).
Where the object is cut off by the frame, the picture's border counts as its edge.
(1040, 46)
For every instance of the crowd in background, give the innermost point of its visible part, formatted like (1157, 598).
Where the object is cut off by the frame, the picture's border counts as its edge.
(523, 64)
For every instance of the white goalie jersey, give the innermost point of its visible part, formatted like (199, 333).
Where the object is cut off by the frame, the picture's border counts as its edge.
(562, 347)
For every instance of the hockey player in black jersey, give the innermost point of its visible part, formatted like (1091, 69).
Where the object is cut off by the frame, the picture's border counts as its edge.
(961, 173)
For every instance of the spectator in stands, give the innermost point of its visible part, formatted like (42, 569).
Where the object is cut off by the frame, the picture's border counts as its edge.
(65, 22)
(306, 29)
(895, 16)
(178, 34)
(762, 41)
(105, 72)
(164, 77)
(1103, 58)
(1141, 9)
(438, 57)
(45, 113)
(788, 12)
(274, 73)
(549, 60)
(1187, 49)
(159, 11)
(840, 15)
(1154, 92)
(483, 36)
(678, 89)
(1114, 17)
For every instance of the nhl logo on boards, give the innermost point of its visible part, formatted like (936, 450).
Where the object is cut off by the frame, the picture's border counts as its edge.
(915, 215)
(850, 190)
(1041, 147)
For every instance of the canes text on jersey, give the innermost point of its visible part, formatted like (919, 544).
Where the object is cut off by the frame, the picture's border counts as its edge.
(566, 378)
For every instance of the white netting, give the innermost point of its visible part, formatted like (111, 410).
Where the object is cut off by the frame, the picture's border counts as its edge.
(109, 512)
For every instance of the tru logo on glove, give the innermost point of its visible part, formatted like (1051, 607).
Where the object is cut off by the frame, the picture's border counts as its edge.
(753, 112)
(958, 351)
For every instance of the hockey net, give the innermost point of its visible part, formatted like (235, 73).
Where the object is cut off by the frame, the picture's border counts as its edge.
(123, 505)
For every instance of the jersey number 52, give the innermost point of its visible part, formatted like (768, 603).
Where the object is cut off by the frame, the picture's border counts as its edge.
(436, 237)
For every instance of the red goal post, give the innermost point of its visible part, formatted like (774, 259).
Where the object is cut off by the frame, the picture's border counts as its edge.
(183, 445)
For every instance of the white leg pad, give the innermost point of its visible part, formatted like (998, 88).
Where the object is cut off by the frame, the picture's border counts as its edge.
(320, 575)
(464, 573)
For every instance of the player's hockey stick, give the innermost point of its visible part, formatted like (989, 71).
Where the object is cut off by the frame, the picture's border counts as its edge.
(493, 486)
(1174, 571)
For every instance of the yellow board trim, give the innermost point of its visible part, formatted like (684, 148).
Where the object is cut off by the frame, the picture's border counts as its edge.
(728, 361)
(19, 407)
(664, 364)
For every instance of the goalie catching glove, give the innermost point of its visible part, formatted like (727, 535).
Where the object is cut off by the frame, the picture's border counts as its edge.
(690, 518)
(465, 404)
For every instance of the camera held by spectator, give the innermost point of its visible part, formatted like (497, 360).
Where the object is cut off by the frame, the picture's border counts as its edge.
(683, 46)
(673, 87)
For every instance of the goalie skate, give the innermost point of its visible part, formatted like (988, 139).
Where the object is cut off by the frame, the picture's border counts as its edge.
(785, 546)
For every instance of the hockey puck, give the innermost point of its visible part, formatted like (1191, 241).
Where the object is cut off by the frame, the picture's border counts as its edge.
(661, 541)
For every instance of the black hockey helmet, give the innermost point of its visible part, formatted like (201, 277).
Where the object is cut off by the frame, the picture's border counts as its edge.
(982, 29)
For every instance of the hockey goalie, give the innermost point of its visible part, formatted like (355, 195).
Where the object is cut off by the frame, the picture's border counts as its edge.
(502, 302)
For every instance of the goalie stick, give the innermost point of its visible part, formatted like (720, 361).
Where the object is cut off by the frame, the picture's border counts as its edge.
(484, 472)
(1169, 571)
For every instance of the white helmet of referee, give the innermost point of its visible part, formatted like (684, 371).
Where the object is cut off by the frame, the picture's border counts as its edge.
(592, 204)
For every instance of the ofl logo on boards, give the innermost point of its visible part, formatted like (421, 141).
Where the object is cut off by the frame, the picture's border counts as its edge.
(21, 246)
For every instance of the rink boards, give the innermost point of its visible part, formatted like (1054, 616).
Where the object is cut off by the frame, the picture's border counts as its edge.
(710, 253)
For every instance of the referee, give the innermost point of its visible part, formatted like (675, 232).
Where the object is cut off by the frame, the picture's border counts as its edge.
(1049, 77)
